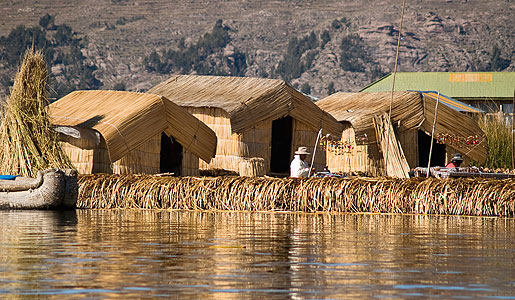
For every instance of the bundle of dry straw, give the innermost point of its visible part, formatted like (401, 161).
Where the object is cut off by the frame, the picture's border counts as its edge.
(27, 141)
(478, 197)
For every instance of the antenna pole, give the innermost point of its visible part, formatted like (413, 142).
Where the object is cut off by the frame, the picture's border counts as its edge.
(512, 128)
(314, 151)
(433, 134)
(393, 86)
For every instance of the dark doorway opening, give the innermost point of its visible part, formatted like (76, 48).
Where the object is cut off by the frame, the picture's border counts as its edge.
(171, 155)
(282, 131)
(438, 154)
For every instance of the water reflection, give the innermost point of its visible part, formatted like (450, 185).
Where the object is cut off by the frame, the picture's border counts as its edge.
(234, 255)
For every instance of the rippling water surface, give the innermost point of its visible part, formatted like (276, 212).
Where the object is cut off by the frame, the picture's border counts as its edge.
(232, 255)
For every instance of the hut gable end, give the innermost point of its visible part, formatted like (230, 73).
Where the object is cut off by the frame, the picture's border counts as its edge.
(127, 120)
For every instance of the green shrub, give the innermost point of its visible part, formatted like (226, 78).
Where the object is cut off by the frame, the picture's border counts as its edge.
(60, 45)
(195, 57)
(305, 88)
(354, 53)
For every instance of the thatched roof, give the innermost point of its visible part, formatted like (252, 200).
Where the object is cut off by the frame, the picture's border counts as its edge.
(246, 100)
(410, 110)
(127, 120)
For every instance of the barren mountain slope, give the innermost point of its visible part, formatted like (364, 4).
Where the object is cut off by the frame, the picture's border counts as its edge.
(438, 35)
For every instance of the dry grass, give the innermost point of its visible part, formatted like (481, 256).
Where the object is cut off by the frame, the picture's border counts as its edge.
(498, 132)
(478, 197)
(28, 143)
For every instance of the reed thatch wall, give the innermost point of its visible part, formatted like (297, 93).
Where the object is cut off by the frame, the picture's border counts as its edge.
(234, 149)
(351, 157)
(144, 159)
(88, 157)
(477, 197)
(409, 143)
(346, 156)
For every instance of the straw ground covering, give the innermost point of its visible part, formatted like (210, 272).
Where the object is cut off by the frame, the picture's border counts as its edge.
(478, 197)
(28, 142)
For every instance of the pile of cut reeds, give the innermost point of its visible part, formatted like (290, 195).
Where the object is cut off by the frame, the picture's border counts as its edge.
(28, 142)
(477, 197)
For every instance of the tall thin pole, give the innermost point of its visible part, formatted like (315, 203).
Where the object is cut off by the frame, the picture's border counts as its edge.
(393, 86)
(433, 134)
(314, 151)
(512, 127)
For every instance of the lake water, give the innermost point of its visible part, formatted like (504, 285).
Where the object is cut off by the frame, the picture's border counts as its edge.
(97, 254)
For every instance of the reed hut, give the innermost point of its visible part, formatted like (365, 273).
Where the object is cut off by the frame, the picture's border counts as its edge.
(412, 115)
(126, 132)
(258, 122)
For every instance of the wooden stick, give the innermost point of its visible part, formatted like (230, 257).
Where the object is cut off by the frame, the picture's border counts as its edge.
(314, 151)
(432, 135)
(393, 80)
(512, 121)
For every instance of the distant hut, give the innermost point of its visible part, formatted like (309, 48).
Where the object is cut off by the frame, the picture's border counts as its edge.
(412, 116)
(253, 118)
(126, 132)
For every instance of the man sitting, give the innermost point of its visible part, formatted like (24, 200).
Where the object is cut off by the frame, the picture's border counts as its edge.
(299, 167)
(455, 161)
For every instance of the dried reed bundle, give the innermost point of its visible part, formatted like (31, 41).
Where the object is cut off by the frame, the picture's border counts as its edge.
(27, 139)
(396, 163)
(478, 197)
(252, 167)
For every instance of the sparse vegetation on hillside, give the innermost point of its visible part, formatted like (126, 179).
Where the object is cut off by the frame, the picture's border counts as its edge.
(298, 58)
(437, 36)
(354, 53)
(302, 52)
(497, 63)
(205, 57)
(62, 49)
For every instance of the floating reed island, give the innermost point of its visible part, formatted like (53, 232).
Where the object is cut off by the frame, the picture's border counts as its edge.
(464, 196)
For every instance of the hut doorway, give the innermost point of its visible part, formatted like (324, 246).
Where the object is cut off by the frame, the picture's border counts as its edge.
(171, 155)
(438, 155)
(280, 154)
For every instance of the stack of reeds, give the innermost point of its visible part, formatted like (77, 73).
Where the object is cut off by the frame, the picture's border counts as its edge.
(395, 161)
(28, 142)
(478, 197)
(252, 167)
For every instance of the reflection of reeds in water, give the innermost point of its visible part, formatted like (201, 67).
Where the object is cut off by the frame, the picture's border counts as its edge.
(498, 133)
(385, 195)
(27, 141)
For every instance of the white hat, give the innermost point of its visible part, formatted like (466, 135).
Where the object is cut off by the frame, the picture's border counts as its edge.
(302, 150)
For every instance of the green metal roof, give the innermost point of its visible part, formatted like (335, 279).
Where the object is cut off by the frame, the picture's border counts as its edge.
(453, 84)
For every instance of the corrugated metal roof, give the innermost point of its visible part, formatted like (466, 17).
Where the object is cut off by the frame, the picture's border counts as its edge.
(452, 103)
(486, 85)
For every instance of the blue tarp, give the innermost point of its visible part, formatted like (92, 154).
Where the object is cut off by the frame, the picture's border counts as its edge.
(7, 177)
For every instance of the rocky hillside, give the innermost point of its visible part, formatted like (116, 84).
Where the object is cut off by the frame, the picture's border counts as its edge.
(355, 39)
